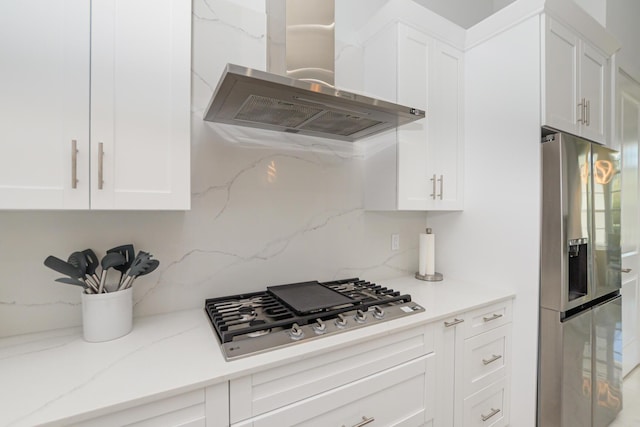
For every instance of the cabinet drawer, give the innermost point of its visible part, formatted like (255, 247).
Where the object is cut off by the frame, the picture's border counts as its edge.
(489, 407)
(268, 390)
(399, 396)
(487, 318)
(486, 357)
(184, 410)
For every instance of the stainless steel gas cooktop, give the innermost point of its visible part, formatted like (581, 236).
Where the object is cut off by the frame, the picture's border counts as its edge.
(284, 315)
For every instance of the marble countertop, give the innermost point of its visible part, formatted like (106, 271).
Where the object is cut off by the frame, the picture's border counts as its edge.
(56, 377)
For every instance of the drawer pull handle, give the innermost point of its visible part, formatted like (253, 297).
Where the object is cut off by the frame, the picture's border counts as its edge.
(494, 317)
(433, 183)
(364, 421)
(100, 166)
(452, 323)
(492, 359)
(491, 414)
(626, 270)
(74, 163)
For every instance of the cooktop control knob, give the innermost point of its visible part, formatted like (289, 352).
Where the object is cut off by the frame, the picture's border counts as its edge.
(341, 322)
(378, 312)
(296, 332)
(360, 316)
(319, 327)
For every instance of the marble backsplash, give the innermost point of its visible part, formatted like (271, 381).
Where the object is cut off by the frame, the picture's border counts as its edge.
(266, 208)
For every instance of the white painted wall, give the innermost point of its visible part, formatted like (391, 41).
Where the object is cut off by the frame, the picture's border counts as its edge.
(495, 240)
(595, 8)
(623, 21)
(267, 209)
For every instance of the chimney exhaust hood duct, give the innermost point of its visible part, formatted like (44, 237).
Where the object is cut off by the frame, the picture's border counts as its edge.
(298, 95)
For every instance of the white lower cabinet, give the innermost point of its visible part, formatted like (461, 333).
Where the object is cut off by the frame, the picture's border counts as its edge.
(489, 407)
(389, 378)
(473, 367)
(399, 396)
(183, 410)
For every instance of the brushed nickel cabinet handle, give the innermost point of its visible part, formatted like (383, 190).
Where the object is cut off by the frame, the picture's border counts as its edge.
(74, 163)
(588, 115)
(491, 414)
(626, 270)
(441, 181)
(100, 166)
(494, 317)
(452, 323)
(492, 359)
(581, 110)
(364, 422)
(433, 183)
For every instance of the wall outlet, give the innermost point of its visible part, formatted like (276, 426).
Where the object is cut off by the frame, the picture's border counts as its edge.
(395, 242)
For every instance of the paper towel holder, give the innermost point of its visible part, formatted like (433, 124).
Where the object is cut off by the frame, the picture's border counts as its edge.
(436, 277)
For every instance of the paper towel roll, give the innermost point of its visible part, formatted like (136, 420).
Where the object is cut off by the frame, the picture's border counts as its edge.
(430, 253)
(422, 255)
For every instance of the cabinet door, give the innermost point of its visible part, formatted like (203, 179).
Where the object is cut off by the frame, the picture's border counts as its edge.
(446, 135)
(560, 85)
(140, 112)
(400, 396)
(594, 73)
(183, 410)
(416, 185)
(44, 106)
(449, 357)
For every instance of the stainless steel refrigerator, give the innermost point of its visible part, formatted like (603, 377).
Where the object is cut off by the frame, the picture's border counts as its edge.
(580, 341)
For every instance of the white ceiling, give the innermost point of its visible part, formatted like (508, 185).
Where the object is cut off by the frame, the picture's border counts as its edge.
(465, 13)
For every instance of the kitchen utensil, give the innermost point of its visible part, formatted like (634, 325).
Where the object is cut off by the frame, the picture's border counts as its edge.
(129, 254)
(151, 265)
(92, 263)
(107, 262)
(76, 282)
(78, 260)
(139, 265)
(64, 267)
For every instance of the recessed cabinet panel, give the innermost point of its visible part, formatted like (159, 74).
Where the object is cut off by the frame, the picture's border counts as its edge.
(399, 396)
(576, 78)
(561, 84)
(594, 75)
(420, 165)
(44, 104)
(414, 52)
(140, 129)
(489, 407)
(485, 358)
(95, 104)
(278, 387)
(447, 132)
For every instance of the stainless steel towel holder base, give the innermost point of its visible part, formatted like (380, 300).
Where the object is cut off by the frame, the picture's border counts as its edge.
(436, 277)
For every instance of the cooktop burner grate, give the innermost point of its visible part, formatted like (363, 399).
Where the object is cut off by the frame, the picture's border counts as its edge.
(253, 313)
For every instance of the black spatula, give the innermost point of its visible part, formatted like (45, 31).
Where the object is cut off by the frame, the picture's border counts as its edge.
(128, 253)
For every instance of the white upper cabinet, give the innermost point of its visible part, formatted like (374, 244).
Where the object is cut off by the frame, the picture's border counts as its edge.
(140, 104)
(97, 114)
(44, 104)
(576, 83)
(419, 165)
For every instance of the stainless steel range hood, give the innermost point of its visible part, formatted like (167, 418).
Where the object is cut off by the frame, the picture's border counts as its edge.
(301, 46)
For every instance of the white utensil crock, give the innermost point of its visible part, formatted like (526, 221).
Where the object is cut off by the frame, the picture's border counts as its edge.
(107, 316)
